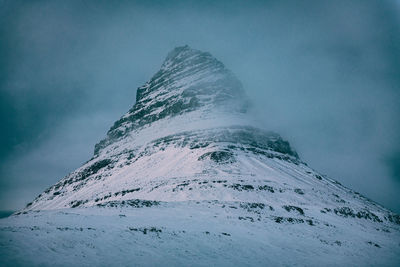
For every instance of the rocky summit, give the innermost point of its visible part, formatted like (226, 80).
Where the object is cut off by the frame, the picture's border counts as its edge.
(186, 177)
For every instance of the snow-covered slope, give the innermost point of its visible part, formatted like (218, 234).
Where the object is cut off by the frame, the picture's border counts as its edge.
(186, 177)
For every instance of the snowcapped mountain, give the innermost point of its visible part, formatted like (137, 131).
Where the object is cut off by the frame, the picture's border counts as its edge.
(185, 177)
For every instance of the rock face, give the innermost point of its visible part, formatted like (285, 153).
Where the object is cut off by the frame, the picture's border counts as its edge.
(188, 80)
(188, 148)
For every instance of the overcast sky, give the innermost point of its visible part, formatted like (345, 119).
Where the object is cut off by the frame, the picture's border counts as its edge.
(323, 74)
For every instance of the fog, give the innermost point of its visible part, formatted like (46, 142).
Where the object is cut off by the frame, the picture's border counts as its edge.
(323, 74)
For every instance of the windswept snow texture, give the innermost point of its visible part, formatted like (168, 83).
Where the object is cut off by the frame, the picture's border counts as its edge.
(186, 178)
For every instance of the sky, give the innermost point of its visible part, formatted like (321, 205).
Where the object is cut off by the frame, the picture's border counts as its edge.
(323, 74)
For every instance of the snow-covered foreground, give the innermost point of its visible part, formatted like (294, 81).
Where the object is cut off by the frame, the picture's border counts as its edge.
(208, 233)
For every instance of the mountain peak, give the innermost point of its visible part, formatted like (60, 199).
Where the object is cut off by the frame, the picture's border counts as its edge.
(185, 55)
(188, 80)
(180, 50)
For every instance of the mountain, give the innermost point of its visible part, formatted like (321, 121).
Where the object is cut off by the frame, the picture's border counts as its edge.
(186, 177)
